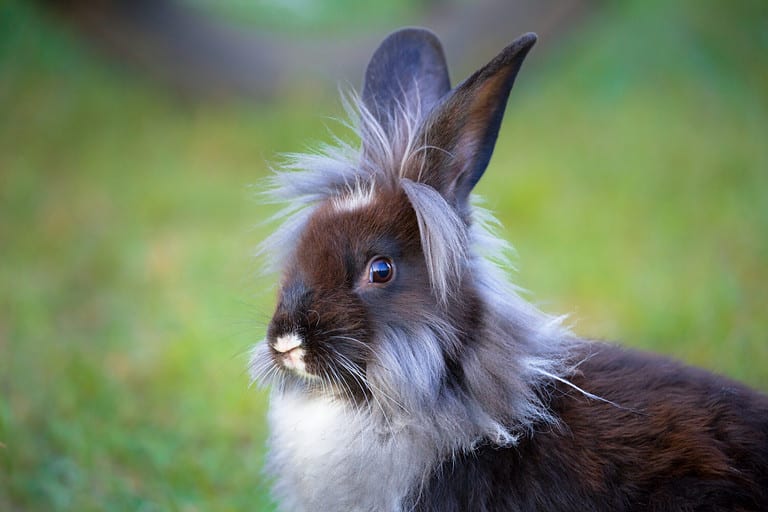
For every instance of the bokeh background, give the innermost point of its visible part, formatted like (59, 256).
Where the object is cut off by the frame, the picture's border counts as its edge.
(631, 175)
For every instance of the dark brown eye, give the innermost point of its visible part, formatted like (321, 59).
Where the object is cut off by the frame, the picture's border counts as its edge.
(381, 270)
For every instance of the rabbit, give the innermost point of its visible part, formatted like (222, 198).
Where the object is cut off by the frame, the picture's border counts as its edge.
(407, 373)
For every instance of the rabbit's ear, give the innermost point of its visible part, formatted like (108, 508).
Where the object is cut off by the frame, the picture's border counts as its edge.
(460, 133)
(407, 75)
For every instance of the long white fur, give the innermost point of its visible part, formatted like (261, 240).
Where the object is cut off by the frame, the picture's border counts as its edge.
(358, 196)
(328, 454)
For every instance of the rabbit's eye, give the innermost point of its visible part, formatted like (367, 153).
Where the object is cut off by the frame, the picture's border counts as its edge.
(381, 270)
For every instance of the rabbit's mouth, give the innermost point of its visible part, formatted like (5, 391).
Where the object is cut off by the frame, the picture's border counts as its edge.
(289, 353)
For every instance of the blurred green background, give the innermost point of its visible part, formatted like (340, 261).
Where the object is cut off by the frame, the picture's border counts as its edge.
(631, 175)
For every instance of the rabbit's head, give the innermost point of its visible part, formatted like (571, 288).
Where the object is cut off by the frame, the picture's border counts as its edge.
(383, 295)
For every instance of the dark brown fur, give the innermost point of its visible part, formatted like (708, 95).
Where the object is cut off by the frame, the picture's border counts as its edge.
(675, 438)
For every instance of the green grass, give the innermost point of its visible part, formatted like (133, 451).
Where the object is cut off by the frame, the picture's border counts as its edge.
(631, 175)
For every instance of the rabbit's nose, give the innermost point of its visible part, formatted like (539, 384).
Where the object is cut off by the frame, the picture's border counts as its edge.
(287, 342)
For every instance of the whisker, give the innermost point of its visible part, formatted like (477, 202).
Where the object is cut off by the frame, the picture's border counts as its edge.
(345, 388)
(349, 366)
(371, 386)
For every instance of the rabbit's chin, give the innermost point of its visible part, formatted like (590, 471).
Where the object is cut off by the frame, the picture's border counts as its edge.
(294, 363)
(289, 367)
(281, 368)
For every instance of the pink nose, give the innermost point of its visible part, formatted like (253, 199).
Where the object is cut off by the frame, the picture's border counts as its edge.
(287, 342)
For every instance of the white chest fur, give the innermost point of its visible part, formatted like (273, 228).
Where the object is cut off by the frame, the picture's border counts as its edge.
(326, 456)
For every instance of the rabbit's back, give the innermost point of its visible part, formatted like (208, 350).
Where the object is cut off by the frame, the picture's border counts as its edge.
(664, 437)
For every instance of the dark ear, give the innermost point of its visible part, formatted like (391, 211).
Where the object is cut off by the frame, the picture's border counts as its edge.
(460, 133)
(407, 71)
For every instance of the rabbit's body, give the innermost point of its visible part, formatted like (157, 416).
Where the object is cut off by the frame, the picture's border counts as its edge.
(701, 447)
(406, 373)
(680, 440)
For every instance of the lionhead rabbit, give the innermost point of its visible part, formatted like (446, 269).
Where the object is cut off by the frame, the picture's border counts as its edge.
(407, 374)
